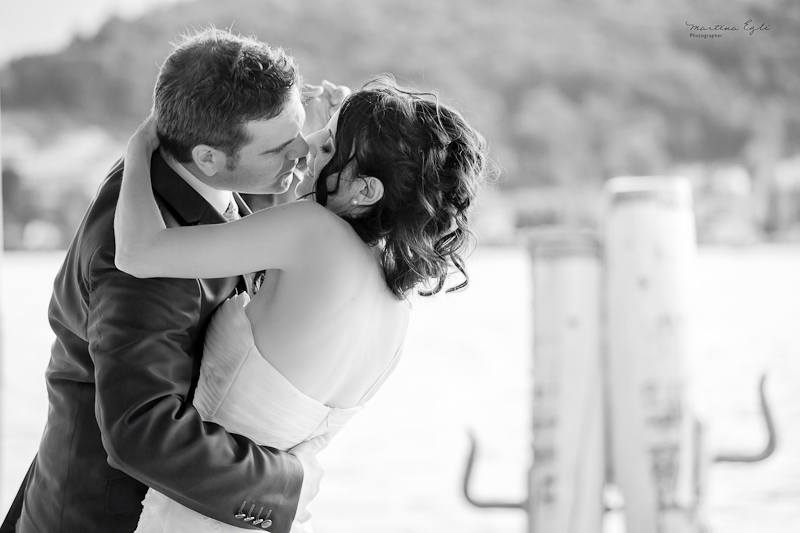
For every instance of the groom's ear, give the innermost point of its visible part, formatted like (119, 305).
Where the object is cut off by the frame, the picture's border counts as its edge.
(209, 160)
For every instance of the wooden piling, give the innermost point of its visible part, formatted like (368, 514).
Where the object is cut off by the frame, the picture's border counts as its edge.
(649, 254)
(2, 321)
(568, 474)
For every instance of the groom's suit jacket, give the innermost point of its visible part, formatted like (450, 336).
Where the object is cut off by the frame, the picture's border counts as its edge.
(120, 382)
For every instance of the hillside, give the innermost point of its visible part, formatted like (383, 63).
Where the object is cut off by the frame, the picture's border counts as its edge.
(565, 91)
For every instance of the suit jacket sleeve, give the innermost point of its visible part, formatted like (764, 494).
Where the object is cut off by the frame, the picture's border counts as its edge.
(140, 333)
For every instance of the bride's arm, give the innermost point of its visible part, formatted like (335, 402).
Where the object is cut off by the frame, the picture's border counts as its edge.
(279, 237)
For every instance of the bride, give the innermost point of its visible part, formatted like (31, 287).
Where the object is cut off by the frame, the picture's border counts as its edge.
(383, 212)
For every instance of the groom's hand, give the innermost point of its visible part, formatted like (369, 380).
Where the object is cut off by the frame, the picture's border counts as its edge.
(322, 101)
(306, 452)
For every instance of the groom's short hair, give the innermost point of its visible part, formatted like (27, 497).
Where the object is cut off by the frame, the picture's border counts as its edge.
(212, 83)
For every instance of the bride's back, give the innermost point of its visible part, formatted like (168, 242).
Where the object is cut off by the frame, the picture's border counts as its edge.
(402, 169)
(333, 327)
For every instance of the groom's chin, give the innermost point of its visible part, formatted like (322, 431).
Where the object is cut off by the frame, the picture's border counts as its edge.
(302, 188)
(283, 190)
(278, 185)
(285, 182)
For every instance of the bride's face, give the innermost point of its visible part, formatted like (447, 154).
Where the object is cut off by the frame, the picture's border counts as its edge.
(320, 152)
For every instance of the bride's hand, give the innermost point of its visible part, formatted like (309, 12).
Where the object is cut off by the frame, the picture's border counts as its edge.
(306, 452)
(145, 139)
(321, 102)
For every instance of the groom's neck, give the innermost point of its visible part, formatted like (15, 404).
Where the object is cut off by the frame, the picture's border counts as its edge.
(218, 199)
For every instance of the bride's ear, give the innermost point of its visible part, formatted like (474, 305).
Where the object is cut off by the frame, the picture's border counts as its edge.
(369, 190)
(209, 160)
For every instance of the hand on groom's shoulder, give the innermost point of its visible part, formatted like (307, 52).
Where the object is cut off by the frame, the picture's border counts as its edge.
(321, 102)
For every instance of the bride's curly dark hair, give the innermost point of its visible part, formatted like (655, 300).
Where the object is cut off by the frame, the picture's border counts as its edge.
(430, 162)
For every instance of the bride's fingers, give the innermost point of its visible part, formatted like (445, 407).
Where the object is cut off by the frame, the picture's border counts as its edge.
(147, 133)
(311, 446)
(150, 126)
(145, 138)
(312, 91)
(342, 92)
(335, 93)
(328, 86)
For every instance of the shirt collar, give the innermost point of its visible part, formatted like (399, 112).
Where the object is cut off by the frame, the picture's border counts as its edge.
(219, 200)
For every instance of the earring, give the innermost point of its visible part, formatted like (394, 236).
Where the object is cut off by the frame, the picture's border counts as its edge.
(354, 201)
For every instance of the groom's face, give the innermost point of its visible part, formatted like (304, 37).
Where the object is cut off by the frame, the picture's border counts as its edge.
(265, 164)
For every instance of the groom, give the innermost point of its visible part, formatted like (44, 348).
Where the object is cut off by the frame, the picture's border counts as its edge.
(126, 357)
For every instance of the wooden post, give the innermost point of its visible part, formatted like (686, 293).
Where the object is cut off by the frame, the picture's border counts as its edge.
(2, 322)
(568, 473)
(650, 250)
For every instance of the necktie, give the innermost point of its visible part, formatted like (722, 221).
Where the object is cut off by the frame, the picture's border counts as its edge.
(232, 212)
(252, 280)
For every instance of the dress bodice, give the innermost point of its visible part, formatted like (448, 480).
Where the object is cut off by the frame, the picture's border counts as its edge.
(240, 390)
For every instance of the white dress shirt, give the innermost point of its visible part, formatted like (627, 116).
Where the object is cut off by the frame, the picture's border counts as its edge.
(219, 200)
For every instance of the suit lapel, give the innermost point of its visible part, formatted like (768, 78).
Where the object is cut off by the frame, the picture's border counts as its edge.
(244, 209)
(188, 206)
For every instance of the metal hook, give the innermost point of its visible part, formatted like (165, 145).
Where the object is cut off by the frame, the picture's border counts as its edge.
(771, 433)
(468, 474)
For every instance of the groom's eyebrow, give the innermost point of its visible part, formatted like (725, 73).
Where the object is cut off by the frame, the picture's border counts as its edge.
(277, 148)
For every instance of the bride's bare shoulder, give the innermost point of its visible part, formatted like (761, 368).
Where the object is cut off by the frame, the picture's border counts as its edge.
(303, 220)
(320, 231)
(301, 208)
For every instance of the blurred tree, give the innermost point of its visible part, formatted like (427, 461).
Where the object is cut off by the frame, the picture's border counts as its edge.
(565, 92)
(18, 207)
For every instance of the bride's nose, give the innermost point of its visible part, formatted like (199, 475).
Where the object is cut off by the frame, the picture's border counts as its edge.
(314, 140)
(298, 148)
(312, 148)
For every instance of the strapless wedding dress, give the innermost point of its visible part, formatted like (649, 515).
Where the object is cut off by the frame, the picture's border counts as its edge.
(244, 393)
